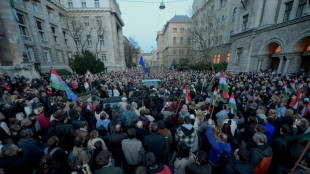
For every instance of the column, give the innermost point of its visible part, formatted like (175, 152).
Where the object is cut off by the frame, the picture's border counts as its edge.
(280, 64)
(287, 63)
(259, 65)
(260, 8)
(269, 12)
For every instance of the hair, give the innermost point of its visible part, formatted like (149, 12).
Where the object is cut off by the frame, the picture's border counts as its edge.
(222, 137)
(76, 115)
(183, 151)
(187, 120)
(142, 112)
(9, 150)
(52, 142)
(286, 129)
(147, 112)
(79, 141)
(47, 163)
(71, 105)
(26, 133)
(261, 137)
(131, 133)
(103, 158)
(103, 115)
(151, 159)
(128, 107)
(99, 108)
(260, 128)
(243, 154)
(83, 124)
(14, 127)
(93, 134)
(288, 112)
(270, 120)
(154, 127)
(202, 158)
(140, 170)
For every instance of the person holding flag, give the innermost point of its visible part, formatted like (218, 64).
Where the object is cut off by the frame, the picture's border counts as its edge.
(59, 84)
(223, 85)
(186, 95)
(293, 88)
(294, 103)
(285, 90)
(141, 62)
(232, 104)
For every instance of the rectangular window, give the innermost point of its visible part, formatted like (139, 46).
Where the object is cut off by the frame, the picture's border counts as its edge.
(54, 34)
(301, 8)
(30, 54)
(288, 10)
(47, 56)
(182, 30)
(89, 41)
(175, 30)
(245, 22)
(99, 21)
(218, 58)
(69, 55)
(22, 26)
(228, 57)
(70, 4)
(59, 56)
(181, 41)
(41, 32)
(101, 40)
(174, 51)
(83, 4)
(174, 40)
(50, 12)
(65, 37)
(97, 5)
(35, 7)
(104, 57)
(214, 58)
(105, 70)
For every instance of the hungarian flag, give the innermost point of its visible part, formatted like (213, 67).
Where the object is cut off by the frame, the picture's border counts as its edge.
(232, 104)
(294, 103)
(223, 85)
(186, 95)
(285, 90)
(306, 109)
(214, 100)
(59, 84)
(293, 90)
(301, 85)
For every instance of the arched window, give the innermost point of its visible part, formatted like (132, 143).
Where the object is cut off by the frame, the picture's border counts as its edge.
(214, 58)
(218, 58)
(277, 50)
(234, 14)
(181, 41)
(228, 57)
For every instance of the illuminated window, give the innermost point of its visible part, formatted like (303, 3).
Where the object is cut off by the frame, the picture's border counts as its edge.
(308, 47)
(214, 58)
(278, 49)
(227, 58)
(218, 58)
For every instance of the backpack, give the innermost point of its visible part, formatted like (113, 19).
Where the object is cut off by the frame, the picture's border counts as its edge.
(51, 152)
(223, 158)
(102, 131)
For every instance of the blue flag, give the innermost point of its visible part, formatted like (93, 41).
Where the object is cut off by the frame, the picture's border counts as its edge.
(142, 64)
(69, 92)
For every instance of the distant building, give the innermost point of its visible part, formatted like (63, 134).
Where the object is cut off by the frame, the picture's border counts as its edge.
(173, 40)
(41, 35)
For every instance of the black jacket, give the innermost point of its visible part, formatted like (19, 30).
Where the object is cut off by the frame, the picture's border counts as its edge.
(156, 143)
(258, 153)
(197, 169)
(65, 133)
(238, 167)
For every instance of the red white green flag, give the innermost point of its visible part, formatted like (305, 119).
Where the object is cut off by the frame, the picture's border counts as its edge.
(232, 104)
(294, 103)
(214, 100)
(223, 85)
(293, 90)
(186, 95)
(301, 85)
(56, 83)
(306, 109)
(285, 90)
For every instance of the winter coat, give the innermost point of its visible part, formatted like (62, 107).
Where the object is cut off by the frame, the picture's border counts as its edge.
(65, 133)
(260, 158)
(188, 135)
(168, 136)
(156, 143)
(180, 164)
(82, 154)
(31, 150)
(15, 164)
(238, 167)
(218, 149)
(128, 117)
(43, 121)
(161, 169)
(109, 170)
(269, 131)
(197, 169)
(133, 151)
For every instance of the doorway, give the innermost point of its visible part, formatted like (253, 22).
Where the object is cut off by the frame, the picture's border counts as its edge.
(274, 63)
(305, 63)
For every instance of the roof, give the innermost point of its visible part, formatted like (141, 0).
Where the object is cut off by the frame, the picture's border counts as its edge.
(180, 18)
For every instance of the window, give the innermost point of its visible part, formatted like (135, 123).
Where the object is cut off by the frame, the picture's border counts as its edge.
(174, 51)
(101, 40)
(277, 49)
(175, 30)
(214, 58)
(228, 57)
(245, 22)
(35, 7)
(70, 4)
(59, 56)
(182, 30)
(65, 37)
(22, 26)
(188, 41)
(234, 15)
(50, 13)
(83, 4)
(288, 10)
(97, 5)
(41, 32)
(218, 58)
(86, 21)
(69, 55)
(181, 52)
(105, 70)
(89, 41)
(54, 34)
(301, 7)
(104, 57)
(47, 56)
(181, 41)
(174, 40)
(30, 54)
(99, 21)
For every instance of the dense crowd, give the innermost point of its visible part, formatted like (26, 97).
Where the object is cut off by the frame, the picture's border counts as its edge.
(154, 130)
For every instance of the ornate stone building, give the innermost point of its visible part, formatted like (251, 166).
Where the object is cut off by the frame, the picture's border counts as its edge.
(173, 40)
(271, 34)
(43, 34)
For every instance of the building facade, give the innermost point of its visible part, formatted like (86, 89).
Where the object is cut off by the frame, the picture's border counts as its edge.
(213, 24)
(173, 41)
(44, 34)
(271, 34)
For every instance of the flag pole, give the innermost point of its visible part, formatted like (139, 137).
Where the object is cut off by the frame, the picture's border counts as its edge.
(213, 105)
(300, 157)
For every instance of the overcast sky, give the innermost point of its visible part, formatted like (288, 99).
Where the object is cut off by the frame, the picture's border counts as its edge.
(143, 18)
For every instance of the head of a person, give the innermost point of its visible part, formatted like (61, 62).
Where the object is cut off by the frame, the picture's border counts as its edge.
(26, 133)
(118, 128)
(131, 132)
(139, 125)
(151, 160)
(183, 151)
(142, 112)
(103, 158)
(147, 112)
(201, 158)
(241, 154)
(140, 170)
(286, 129)
(103, 116)
(9, 150)
(187, 120)
(79, 141)
(84, 125)
(260, 138)
(222, 137)
(288, 113)
(93, 134)
(260, 128)
(128, 107)
(154, 127)
(53, 141)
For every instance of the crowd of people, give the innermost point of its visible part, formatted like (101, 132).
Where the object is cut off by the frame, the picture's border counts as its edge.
(154, 130)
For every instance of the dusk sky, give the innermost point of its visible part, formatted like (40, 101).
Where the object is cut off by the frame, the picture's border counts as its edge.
(143, 18)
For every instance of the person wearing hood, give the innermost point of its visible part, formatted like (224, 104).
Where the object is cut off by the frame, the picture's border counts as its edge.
(187, 134)
(153, 167)
(221, 149)
(184, 112)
